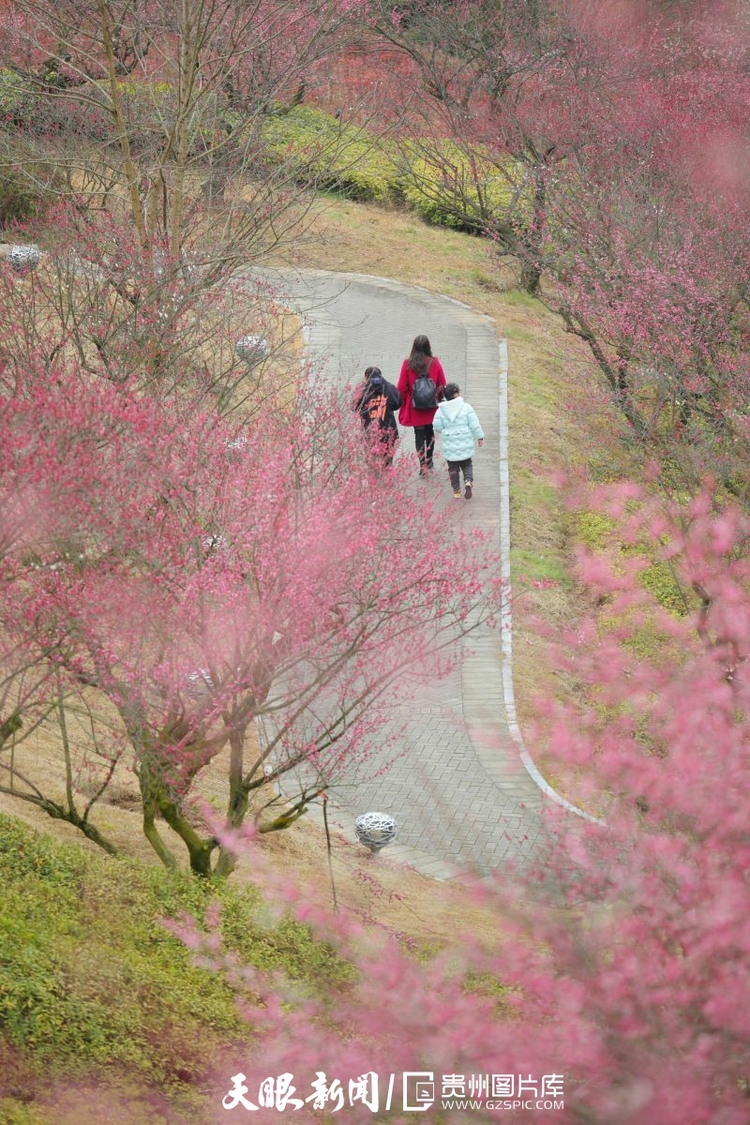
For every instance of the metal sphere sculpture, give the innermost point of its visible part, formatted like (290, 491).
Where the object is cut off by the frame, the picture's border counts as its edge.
(237, 447)
(252, 350)
(199, 683)
(375, 830)
(24, 258)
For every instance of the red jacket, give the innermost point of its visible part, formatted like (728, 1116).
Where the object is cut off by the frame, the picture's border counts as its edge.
(407, 415)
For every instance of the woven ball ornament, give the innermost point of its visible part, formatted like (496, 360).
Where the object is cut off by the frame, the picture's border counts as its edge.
(375, 830)
(24, 258)
(252, 350)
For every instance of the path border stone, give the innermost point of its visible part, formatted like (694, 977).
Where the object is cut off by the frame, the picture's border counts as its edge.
(507, 618)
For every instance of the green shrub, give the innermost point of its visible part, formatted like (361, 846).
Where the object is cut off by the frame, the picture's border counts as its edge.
(451, 187)
(78, 929)
(288, 946)
(323, 153)
(21, 199)
(12, 92)
(13, 1112)
(659, 580)
(148, 107)
(71, 939)
(595, 530)
(442, 184)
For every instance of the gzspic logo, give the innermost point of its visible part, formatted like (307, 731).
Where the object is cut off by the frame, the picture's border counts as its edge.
(423, 1089)
(417, 1091)
(502, 1091)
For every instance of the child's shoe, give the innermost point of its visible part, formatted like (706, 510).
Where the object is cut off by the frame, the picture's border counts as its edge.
(457, 495)
(468, 489)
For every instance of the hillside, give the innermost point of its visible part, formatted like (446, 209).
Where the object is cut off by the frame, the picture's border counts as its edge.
(545, 371)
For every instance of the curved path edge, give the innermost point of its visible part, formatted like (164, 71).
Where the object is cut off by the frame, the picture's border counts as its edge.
(507, 615)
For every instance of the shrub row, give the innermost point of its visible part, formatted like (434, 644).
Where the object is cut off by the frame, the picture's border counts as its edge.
(324, 153)
(442, 182)
(445, 184)
(464, 190)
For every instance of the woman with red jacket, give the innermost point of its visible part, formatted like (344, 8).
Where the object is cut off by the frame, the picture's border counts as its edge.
(420, 362)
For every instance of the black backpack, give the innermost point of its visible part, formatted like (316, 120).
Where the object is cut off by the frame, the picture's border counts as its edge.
(424, 393)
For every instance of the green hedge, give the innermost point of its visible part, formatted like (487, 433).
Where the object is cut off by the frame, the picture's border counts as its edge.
(28, 188)
(441, 182)
(451, 187)
(324, 153)
(19, 202)
(659, 579)
(12, 91)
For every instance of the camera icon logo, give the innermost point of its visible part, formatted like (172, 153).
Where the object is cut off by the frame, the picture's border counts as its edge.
(419, 1090)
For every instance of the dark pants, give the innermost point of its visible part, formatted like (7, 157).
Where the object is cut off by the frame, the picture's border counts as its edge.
(382, 445)
(455, 468)
(424, 439)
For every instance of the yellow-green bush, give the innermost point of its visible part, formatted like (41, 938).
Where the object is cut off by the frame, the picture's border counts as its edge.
(443, 183)
(325, 153)
(13, 90)
(594, 529)
(13, 1112)
(463, 189)
(20, 199)
(28, 186)
(659, 580)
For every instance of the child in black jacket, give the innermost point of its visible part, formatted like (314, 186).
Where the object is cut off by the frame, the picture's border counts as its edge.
(375, 401)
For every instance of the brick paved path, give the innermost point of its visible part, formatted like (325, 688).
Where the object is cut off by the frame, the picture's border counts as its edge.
(459, 791)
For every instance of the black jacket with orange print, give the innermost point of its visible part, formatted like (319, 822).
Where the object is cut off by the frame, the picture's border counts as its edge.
(375, 401)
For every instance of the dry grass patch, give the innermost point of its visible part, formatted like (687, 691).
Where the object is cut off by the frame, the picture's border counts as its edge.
(62, 304)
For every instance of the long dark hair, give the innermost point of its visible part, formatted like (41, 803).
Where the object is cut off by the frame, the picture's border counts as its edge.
(421, 354)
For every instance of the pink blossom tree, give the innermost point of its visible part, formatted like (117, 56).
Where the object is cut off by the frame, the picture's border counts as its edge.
(163, 105)
(504, 82)
(644, 239)
(202, 577)
(120, 316)
(147, 122)
(615, 130)
(629, 1006)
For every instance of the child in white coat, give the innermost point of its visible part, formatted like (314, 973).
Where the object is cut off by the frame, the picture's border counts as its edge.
(457, 421)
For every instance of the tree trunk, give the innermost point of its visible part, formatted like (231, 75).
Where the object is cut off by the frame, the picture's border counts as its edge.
(531, 237)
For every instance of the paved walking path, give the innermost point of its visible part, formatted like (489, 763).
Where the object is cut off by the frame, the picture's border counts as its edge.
(459, 792)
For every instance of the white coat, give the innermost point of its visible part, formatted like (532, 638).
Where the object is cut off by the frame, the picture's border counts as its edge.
(458, 423)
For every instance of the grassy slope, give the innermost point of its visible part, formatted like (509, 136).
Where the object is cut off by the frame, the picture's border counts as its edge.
(104, 1016)
(94, 989)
